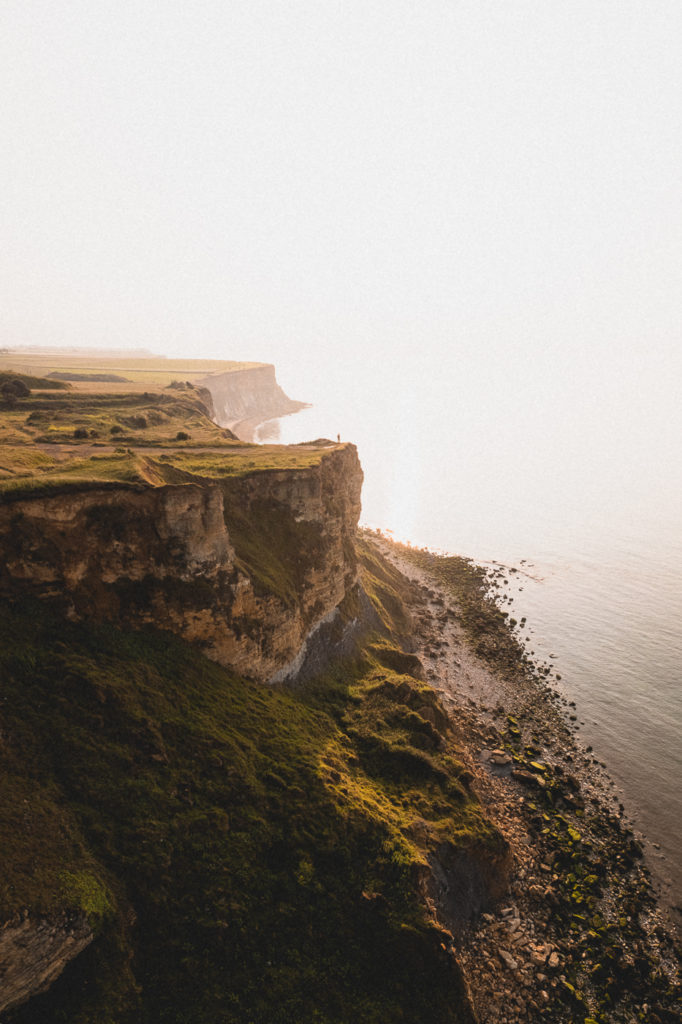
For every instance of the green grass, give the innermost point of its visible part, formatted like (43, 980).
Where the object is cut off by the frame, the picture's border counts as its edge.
(33, 473)
(245, 854)
(242, 459)
(47, 442)
(24, 462)
(84, 418)
(78, 474)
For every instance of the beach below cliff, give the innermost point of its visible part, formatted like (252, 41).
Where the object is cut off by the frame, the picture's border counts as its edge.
(582, 934)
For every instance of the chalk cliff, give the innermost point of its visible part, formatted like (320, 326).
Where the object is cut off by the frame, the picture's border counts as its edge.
(244, 398)
(244, 568)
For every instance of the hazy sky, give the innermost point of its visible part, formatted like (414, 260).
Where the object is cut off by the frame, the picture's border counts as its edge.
(493, 185)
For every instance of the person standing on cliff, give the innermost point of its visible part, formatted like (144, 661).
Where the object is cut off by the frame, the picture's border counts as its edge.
(338, 438)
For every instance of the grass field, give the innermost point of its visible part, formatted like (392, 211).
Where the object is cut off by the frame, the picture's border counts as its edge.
(140, 373)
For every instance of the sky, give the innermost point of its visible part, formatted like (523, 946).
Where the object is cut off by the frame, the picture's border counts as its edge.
(488, 191)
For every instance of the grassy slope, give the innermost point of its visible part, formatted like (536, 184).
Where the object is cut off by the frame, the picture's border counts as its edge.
(263, 843)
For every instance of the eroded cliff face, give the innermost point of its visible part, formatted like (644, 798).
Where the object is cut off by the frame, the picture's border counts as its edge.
(244, 568)
(247, 397)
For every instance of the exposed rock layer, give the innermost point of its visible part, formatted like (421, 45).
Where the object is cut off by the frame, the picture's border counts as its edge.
(34, 952)
(248, 397)
(245, 568)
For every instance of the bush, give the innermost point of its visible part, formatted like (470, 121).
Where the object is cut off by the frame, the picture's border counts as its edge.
(181, 436)
(13, 389)
(136, 422)
(80, 432)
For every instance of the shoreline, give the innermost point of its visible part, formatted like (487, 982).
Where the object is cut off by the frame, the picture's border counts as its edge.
(563, 940)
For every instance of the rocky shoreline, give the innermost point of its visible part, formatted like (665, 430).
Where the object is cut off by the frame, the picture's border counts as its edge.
(581, 935)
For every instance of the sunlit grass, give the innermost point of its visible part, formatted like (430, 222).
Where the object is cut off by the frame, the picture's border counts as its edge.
(239, 460)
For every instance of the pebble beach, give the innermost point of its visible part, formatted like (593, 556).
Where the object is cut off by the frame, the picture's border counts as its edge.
(582, 933)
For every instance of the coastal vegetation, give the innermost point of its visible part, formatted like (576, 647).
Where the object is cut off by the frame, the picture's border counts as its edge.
(242, 853)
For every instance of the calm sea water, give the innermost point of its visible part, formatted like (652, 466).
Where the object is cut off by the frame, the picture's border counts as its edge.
(587, 505)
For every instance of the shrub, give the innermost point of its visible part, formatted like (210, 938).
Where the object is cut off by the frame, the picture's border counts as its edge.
(136, 422)
(12, 390)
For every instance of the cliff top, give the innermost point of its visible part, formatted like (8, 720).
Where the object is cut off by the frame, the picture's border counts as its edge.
(68, 439)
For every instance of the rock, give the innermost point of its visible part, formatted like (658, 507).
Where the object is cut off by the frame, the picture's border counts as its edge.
(33, 953)
(156, 540)
(528, 778)
(507, 959)
(553, 961)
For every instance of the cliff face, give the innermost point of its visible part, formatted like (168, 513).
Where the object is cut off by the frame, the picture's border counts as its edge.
(244, 568)
(247, 397)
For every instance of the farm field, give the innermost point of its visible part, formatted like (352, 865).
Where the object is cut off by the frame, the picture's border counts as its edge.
(137, 373)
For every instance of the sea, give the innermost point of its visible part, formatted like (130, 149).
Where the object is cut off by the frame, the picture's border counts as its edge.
(582, 496)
